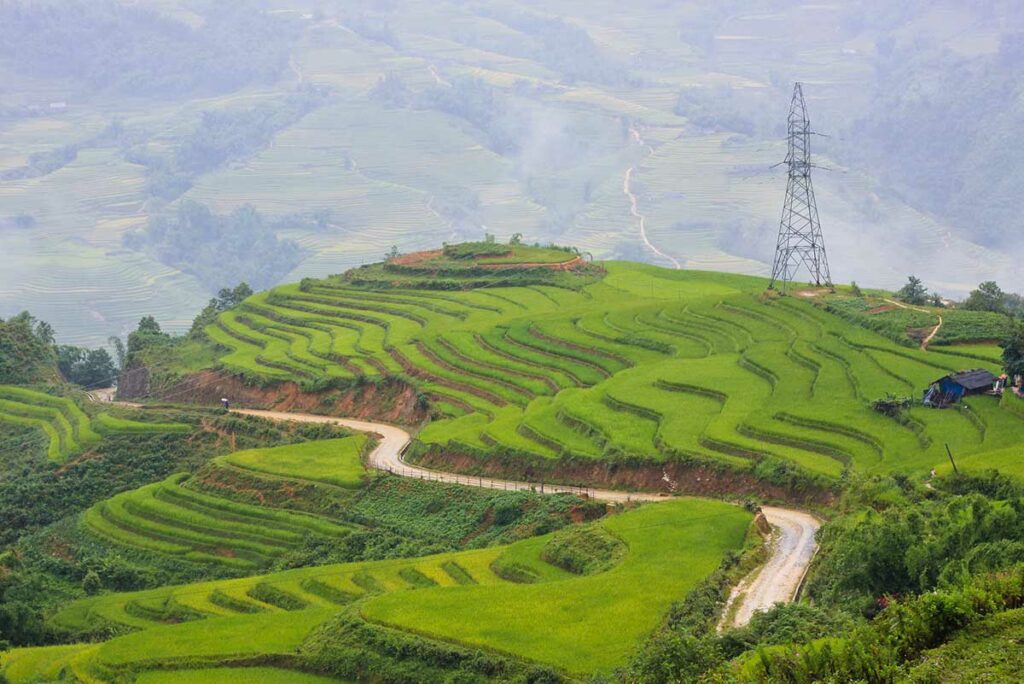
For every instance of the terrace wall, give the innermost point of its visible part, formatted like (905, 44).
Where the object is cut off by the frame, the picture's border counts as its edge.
(672, 477)
(390, 400)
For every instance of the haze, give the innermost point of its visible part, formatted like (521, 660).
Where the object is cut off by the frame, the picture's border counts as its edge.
(153, 152)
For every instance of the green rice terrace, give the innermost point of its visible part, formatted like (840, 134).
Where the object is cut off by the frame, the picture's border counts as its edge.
(291, 557)
(560, 364)
(509, 600)
(67, 427)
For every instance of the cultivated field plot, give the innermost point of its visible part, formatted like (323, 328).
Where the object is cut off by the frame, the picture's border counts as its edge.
(671, 547)
(172, 519)
(647, 363)
(67, 427)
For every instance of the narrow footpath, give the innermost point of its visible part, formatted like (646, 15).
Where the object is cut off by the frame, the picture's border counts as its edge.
(935, 331)
(792, 544)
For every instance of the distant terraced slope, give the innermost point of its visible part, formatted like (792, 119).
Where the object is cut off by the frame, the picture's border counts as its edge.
(645, 363)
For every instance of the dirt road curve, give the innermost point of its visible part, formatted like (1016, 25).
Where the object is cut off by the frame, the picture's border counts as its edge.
(935, 331)
(778, 580)
(793, 543)
(388, 456)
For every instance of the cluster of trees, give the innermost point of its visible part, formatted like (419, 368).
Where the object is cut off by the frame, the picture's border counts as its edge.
(91, 368)
(559, 45)
(227, 298)
(217, 248)
(988, 296)
(916, 294)
(943, 125)
(220, 137)
(899, 570)
(110, 45)
(29, 354)
(26, 349)
(42, 163)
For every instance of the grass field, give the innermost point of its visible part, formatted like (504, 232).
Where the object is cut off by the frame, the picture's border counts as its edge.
(647, 363)
(333, 461)
(671, 547)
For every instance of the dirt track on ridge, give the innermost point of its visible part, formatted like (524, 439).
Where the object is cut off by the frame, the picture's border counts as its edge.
(777, 581)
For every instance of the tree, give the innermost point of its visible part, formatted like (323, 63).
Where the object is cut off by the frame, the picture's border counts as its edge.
(86, 367)
(147, 335)
(148, 325)
(914, 292)
(26, 349)
(988, 297)
(855, 289)
(936, 300)
(1013, 351)
(91, 583)
(227, 298)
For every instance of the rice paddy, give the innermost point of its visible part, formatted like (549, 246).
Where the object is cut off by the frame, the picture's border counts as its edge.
(173, 519)
(68, 429)
(671, 547)
(647, 363)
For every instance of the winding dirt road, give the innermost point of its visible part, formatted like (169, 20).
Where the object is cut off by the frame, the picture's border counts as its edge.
(777, 581)
(627, 189)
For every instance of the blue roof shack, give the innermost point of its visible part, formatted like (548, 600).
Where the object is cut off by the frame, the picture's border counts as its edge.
(955, 386)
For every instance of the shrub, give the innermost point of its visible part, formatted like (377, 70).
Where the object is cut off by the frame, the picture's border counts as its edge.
(584, 550)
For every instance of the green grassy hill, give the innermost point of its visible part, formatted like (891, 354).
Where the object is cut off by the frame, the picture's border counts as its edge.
(542, 370)
(505, 600)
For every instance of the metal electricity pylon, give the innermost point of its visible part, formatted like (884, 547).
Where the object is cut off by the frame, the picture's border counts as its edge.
(800, 242)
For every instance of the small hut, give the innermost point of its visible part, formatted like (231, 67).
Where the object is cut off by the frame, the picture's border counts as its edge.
(953, 387)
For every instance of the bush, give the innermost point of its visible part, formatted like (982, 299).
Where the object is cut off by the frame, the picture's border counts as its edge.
(91, 583)
(583, 550)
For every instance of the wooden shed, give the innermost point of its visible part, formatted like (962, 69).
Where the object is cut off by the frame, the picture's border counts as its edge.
(953, 387)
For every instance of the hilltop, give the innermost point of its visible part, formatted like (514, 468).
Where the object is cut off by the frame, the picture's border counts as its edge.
(537, 363)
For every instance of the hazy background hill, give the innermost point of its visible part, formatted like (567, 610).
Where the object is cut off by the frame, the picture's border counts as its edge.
(154, 151)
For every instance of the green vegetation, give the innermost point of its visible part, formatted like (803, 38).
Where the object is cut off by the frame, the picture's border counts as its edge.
(26, 350)
(334, 461)
(580, 374)
(232, 675)
(645, 367)
(218, 250)
(106, 424)
(667, 555)
(167, 518)
(66, 426)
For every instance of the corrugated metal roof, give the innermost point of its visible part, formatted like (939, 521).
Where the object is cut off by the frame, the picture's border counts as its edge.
(974, 379)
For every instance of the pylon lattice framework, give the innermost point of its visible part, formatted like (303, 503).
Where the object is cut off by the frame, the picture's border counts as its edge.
(800, 242)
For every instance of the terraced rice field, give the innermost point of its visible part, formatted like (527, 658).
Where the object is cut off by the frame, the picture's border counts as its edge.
(68, 428)
(331, 461)
(671, 547)
(172, 519)
(647, 363)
